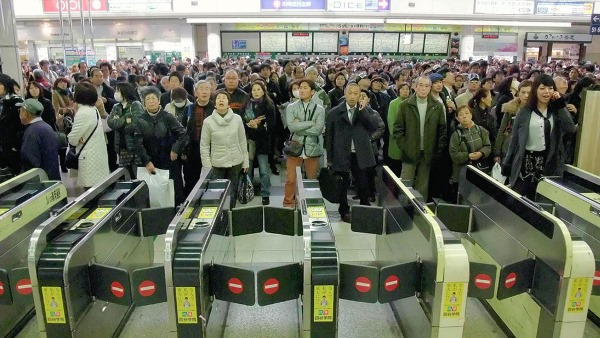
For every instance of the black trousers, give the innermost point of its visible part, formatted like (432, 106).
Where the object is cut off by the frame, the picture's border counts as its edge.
(112, 153)
(192, 168)
(232, 174)
(361, 177)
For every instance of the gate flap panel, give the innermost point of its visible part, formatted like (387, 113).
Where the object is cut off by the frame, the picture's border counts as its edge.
(110, 284)
(359, 283)
(455, 217)
(155, 221)
(279, 284)
(515, 278)
(232, 284)
(398, 281)
(280, 220)
(5, 295)
(367, 219)
(248, 220)
(149, 285)
(482, 280)
(20, 284)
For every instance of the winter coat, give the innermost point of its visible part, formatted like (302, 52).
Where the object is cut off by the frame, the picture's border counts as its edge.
(407, 130)
(459, 151)
(487, 119)
(554, 165)
(191, 124)
(261, 135)
(321, 98)
(335, 96)
(509, 112)
(223, 142)
(122, 121)
(341, 132)
(156, 136)
(93, 160)
(306, 131)
(393, 150)
(40, 149)
(11, 129)
(179, 113)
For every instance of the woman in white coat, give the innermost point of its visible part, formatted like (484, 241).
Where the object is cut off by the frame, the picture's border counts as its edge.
(93, 159)
(223, 145)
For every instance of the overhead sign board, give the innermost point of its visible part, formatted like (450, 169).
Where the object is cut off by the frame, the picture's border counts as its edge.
(504, 7)
(358, 5)
(52, 6)
(564, 7)
(140, 5)
(595, 23)
(301, 5)
(556, 37)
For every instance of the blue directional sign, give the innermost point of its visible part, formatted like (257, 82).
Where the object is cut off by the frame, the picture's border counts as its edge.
(595, 24)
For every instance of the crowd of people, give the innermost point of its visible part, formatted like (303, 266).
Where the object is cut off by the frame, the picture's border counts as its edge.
(424, 119)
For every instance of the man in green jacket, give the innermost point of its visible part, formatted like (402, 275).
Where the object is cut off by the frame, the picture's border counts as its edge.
(420, 132)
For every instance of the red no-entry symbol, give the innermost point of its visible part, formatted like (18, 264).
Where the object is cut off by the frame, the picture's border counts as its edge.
(147, 288)
(391, 283)
(117, 289)
(510, 280)
(362, 284)
(1, 288)
(24, 286)
(596, 278)
(235, 285)
(483, 281)
(271, 286)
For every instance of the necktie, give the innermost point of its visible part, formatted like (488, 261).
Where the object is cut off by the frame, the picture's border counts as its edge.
(547, 127)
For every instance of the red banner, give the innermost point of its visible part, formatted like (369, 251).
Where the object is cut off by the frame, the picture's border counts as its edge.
(51, 6)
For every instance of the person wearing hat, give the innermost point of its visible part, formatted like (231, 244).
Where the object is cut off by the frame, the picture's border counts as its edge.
(466, 94)
(40, 144)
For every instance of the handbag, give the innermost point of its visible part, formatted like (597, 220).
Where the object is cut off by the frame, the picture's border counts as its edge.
(245, 191)
(72, 158)
(330, 184)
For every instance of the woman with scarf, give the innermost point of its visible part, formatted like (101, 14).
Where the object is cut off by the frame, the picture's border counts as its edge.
(223, 145)
(160, 139)
(258, 114)
(122, 120)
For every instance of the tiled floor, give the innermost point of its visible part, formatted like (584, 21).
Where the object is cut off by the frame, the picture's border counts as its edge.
(280, 320)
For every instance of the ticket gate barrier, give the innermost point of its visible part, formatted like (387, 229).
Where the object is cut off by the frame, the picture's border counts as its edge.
(544, 272)
(575, 199)
(420, 267)
(81, 260)
(25, 201)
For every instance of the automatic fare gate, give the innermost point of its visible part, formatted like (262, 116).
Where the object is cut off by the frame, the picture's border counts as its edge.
(544, 272)
(575, 199)
(82, 260)
(25, 201)
(420, 268)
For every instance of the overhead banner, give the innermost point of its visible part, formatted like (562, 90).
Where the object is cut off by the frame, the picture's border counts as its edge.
(564, 7)
(358, 5)
(556, 37)
(51, 6)
(301, 5)
(339, 27)
(504, 7)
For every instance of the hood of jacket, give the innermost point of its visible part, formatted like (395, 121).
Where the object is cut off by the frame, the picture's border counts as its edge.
(512, 106)
(223, 120)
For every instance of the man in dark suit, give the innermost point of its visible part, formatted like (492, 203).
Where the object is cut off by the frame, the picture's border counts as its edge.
(285, 79)
(107, 95)
(349, 128)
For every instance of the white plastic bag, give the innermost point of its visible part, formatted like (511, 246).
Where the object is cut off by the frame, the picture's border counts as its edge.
(162, 190)
(497, 173)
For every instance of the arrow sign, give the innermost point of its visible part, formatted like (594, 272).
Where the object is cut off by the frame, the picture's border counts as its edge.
(383, 4)
(595, 18)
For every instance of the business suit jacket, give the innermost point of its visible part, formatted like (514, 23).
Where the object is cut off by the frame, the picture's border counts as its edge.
(341, 132)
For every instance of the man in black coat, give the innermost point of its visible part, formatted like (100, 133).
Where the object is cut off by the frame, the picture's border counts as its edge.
(107, 95)
(349, 126)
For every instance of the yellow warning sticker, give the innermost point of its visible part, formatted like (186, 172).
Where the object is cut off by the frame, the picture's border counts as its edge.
(186, 214)
(317, 212)
(78, 214)
(578, 294)
(323, 303)
(453, 298)
(53, 305)
(3, 210)
(186, 305)
(98, 214)
(593, 196)
(208, 212)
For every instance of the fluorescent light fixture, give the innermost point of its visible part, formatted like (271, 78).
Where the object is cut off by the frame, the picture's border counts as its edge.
(286, 20)
(480, 23)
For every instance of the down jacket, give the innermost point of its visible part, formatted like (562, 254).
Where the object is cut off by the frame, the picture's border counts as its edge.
(300, 126)
(223, 141)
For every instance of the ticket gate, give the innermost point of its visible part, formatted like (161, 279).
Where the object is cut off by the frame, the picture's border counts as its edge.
(83, 260)
(420, 269)
(575, 199)
(544, 271)
(203, 277)
(25, 202)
